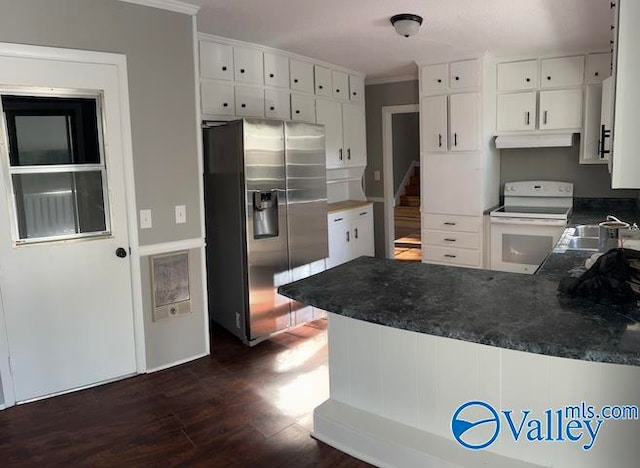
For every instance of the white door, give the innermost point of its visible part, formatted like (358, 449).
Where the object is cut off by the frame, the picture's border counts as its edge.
(433, 115)
(463, 118)
(329, 114)
(67, 296)
(354, 135)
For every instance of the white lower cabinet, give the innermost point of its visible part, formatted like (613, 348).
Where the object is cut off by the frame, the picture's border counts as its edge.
(350, 235)
(452, 240)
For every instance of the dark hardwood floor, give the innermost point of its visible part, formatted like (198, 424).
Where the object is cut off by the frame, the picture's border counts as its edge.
(239, 407)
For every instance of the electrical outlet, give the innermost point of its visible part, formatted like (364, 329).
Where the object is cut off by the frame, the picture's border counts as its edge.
(376, 175)
(145, 219)
(181, 214)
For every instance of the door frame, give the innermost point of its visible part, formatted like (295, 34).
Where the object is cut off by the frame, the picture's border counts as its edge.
(120, 62)
(387, 171)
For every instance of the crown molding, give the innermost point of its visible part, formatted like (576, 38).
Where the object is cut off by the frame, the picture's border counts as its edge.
(169, 5)
(390, 79)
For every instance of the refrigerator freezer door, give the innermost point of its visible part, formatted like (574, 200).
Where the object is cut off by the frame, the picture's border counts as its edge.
(267, 258)
(306, 193)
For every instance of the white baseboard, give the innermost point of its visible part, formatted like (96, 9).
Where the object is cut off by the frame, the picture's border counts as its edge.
(176, 363)
(389, 444)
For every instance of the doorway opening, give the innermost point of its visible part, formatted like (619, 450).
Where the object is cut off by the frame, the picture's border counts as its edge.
(401, 159)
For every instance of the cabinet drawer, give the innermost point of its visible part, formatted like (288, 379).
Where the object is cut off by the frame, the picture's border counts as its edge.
(303, 108)
(598, 68)
(564, 71)
(249, 101)
(301, 76)
(451, 256)
(217, 98)
(216, 61)
(513, 76)
(356, 88)
(323, 81)
(276, 104)
(464, 74)
(248, 65)
(276, 70)
(449, 239)
(434, 77)
(452, 222)
(340, 85)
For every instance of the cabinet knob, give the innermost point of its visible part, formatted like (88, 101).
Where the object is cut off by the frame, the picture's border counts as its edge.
(337, 90)
(295, 80)
(439, 80)
(271, 75)
(225, 104)
(527, 80)
(548, 78)
(224, 68)
(320, 87)
(272, 108)
(457, 78)
(355, 94)
(596, 73)
(243, 105)
(613, 27)
(242, 70)
(297, 111)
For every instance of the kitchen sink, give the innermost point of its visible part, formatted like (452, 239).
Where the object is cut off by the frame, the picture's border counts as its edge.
(582, 243)
(586, 230)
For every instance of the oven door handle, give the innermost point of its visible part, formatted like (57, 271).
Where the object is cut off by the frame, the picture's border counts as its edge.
(529, 221)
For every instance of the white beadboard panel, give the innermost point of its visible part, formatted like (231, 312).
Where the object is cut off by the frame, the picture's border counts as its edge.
(457, 372)
(398, 364)
(338, 344)
(525, 386)
(427, 377)
(364, 363)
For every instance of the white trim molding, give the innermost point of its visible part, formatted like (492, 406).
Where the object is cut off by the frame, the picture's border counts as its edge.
(178, 362)
(387, 170)
(376, 199)
(390, 79)
(166, 247)
(168, 5)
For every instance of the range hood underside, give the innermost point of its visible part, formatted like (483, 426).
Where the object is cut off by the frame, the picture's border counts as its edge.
(534, 141)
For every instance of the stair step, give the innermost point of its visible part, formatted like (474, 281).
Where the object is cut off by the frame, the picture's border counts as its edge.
(407, 212)
(412, 190)
(414, 180)
(407, 224)
(408, 200)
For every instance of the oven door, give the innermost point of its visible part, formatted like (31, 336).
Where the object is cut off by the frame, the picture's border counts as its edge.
(520, 245)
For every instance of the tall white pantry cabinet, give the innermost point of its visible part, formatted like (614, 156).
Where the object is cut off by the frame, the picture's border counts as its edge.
(459, 174)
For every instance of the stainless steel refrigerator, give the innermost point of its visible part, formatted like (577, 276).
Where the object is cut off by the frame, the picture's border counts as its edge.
(266, 214)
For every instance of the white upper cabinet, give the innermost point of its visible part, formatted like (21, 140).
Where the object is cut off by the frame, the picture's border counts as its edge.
(301, 76)
(560, 109)
(434, 77)
(598, 68)
(303, 108)
(248, 65)
(249, 101)
(329, 114)
(276, 104)
(433, 117)
(216, 61)
(217, 98)
(514, 76)
(463, 122)
(354, 135)
(340, 85)
(464, 74)
(276, 70)
(563, 71)
(323, 81)
(356, 88)
(516, 112)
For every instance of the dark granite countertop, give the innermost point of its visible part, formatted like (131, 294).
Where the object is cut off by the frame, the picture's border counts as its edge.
(507, 310)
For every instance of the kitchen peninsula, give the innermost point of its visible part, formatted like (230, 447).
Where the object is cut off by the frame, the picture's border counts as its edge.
(410, 343)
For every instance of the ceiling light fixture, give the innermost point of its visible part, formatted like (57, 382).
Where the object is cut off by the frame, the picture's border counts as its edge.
(406, 24)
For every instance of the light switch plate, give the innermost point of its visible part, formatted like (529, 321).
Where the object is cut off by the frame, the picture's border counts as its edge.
(376, 175)
(181, 214)
(145, 219)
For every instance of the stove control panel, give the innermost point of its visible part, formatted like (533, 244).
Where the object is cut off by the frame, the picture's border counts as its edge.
(538, 189)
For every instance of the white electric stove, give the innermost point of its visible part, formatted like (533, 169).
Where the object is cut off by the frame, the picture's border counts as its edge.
(526, 228)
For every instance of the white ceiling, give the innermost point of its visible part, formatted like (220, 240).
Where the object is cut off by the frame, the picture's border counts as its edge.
(357, 34)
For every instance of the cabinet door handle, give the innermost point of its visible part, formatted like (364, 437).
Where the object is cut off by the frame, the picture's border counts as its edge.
(449, 223)
(449, 256)
(356, 232)
(362, 213)
(349, 154)
(527, 117)
(439, 140)
(337, 219)
(604, 134)
(448, 239)
(348, 238)
(340, 154)
(544, 117)
(455, 139)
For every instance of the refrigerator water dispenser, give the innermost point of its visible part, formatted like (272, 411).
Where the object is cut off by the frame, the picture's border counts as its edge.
(265, 214)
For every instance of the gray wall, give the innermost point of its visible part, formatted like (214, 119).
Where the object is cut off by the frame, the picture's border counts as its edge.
(159, 49)
(377, 96)
(406, 144)
(590, 181)
(160, 60)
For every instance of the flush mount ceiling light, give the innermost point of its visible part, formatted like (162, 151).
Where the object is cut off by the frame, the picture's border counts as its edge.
(406, 24)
